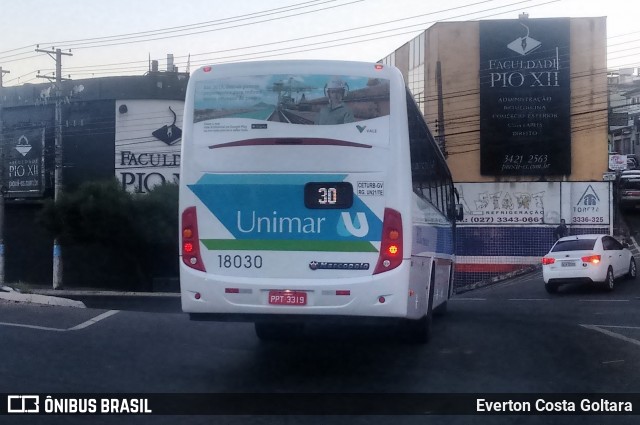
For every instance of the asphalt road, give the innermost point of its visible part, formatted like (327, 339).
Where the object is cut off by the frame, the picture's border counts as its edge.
(510, 338)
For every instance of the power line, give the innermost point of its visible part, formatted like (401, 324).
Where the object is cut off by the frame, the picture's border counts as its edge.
(404, 19)
(376, 33)
(30, 47)
(283, 51)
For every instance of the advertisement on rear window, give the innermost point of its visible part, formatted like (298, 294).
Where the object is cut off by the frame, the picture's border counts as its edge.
(322, 100)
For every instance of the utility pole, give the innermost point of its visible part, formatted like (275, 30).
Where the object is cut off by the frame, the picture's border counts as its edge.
(57, 251)
(2, 187)
(2, 72)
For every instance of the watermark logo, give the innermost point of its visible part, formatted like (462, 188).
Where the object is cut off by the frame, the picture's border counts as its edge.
(23, 404)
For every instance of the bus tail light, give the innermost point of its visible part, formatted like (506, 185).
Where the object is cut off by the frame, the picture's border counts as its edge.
(391, 244)
(189, 240)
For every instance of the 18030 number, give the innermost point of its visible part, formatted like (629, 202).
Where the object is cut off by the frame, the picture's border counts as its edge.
(240, 261)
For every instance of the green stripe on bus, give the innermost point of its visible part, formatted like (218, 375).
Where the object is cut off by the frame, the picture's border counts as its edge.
(288, 245)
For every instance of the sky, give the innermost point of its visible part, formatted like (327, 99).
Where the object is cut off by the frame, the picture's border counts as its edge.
(119, 37)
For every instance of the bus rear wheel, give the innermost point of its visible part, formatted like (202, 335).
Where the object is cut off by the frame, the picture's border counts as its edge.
(419, 331)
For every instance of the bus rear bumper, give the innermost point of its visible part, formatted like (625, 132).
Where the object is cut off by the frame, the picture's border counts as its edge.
(288, 318)
(376, 296)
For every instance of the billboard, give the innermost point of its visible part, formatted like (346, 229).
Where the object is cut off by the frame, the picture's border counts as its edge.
(24, 163)
(525, 126)
(536, 203)
(148, 141)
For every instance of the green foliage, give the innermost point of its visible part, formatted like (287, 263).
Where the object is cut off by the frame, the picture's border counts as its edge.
(131, 238)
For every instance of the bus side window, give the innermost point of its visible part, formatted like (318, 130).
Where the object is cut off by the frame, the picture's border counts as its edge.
(431, 178)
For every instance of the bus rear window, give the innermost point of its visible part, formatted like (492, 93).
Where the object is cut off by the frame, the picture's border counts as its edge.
(306, 99)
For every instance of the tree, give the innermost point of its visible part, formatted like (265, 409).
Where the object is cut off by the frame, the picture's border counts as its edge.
(111, 237)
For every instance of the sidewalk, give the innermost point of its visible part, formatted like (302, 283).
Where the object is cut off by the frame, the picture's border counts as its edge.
(9, 294)
(39, 294)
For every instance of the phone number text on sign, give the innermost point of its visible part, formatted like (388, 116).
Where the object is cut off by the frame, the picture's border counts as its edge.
(587, 220)
(526, 219)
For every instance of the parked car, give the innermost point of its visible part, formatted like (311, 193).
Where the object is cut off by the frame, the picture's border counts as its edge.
(592, 259)
(629, 189)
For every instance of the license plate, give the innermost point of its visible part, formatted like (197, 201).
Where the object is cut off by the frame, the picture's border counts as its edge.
(287, 297)
(567, 263)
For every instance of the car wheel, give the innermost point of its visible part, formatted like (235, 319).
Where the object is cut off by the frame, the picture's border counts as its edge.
(551, 288)
(632, 269)
(609, 281)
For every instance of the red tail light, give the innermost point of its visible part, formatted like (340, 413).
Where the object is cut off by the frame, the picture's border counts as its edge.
(548, 260)
(391, 244)
(189, 240)
(593, 259)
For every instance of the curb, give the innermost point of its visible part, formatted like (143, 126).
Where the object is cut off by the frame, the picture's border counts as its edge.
(497, 279)
(11, 295)
(75, 293)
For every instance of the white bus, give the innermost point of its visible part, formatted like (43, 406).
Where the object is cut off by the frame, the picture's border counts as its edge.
(312, 190)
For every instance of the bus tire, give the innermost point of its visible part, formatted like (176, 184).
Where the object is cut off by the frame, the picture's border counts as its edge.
(269, 331)
(419, 331)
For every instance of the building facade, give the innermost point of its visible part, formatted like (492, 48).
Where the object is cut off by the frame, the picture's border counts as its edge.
(624, 111)
(127, 127)
(519, 108)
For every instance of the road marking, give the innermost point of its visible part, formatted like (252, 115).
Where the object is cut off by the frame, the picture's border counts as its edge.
(83, 325)
(18, 325)
(621, 337)
(468, 299)
(618, 326)
(94, 320)
(603, 301)
(613, 361)
(529, 299)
